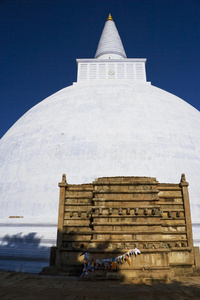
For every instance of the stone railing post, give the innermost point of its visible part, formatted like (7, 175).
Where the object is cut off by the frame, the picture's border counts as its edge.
(184, 186)
(61, 211)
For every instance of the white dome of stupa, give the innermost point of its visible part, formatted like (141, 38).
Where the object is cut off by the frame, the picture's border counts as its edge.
(110, 123)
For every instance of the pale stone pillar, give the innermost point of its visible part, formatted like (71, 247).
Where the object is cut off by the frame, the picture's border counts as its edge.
(184, 187)
(197, 257)
(61, 211)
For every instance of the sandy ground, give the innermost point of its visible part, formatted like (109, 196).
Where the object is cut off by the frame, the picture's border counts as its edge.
(23, 286)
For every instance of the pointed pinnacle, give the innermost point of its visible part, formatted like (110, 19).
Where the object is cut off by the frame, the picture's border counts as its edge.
(110, 18)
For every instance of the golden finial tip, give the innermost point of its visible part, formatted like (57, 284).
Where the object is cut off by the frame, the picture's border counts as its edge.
(110, 18)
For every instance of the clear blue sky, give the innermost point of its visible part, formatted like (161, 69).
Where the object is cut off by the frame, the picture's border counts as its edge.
(41, 39)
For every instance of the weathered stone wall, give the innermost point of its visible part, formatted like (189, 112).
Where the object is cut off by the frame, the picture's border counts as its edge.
(115, 214)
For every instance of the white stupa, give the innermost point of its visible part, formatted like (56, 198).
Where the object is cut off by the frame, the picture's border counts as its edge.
(111, 122)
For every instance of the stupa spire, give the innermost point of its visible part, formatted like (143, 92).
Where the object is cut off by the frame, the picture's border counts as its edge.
(110, 44)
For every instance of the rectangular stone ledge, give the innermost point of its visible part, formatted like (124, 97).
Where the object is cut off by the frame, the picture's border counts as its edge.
(175, 225)
(125, 204)
(184, 265)
(78, 209)
(124, 207)
(123, 216)
(149, 249)
(134, 222)
(132, 219)
(76, 232)
(79, 194)
(78, 239)
(175, 222)
(83, 197)
(134, 240)
(138, 223)
(79, 201)
(127, 230)
(125, 188)
(128, 203)
(148, 268)
(127, 235)
(116, 183)
(177, 249)
(171, 220)
(113, 245)
(126, 197)
(70, 244)
(76, 216)
(74, 225)
(169, 186)
(140, 216)
(77, 205)
(128, 238)
(141, 192)
(76, 222)
(70, 234)
(125, 180)
(175, 233)
(77, 197)
(171, 200)
(170, 194)
(113, 232)
(81, 187)
(117, 251)
(132, 225)
(122, 223)
(126, 218)
(174, 236)
(136, 233)
(77, 219)
(171, 205)
(172, 209)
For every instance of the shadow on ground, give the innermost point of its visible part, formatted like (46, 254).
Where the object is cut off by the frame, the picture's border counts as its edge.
(21, 286)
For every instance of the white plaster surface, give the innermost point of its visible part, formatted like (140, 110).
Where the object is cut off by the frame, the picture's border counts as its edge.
(110, 44)
(92, 130)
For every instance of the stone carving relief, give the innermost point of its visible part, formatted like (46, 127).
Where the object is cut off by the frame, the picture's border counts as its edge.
(136, 211)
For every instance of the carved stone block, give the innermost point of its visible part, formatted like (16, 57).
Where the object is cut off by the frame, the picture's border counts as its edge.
(120, 211)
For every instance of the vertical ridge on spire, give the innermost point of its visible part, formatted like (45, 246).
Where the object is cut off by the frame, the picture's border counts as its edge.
(110, 44)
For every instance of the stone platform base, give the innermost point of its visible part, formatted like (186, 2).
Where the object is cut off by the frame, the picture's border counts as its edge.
(136, 275)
